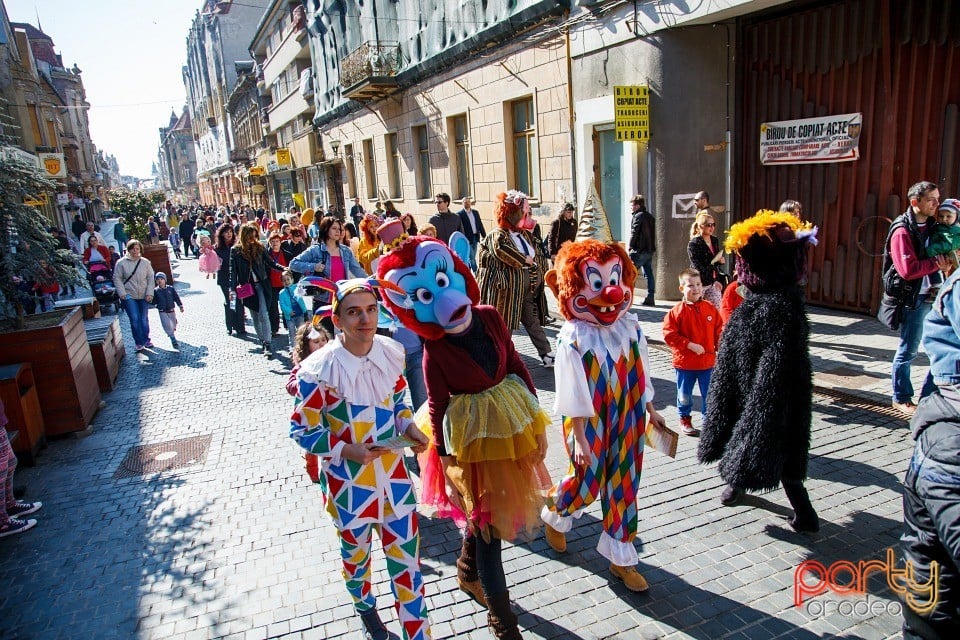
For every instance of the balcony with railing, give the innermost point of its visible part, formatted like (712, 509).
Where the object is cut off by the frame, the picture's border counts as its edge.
(368, 72)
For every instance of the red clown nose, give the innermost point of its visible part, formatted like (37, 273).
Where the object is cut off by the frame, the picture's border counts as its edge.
(612, 294)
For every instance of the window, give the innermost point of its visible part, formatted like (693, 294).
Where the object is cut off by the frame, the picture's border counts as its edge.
(351, 170)
(393, 165)
(422, 152)
(51, 133)
(460, 170)
(370, 169)
(35, 125)
(525, 165)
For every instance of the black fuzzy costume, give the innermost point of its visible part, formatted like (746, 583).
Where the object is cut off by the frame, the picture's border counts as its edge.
(759, 402)
(761, 390)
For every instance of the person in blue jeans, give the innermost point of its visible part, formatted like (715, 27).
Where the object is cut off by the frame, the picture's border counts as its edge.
(133, 279)
(918, 277)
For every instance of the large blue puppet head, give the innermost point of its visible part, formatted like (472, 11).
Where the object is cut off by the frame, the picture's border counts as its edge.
(440, 287)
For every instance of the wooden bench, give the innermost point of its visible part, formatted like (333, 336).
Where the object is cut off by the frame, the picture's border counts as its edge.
(90, 306)
(25, 426)
(106, 347)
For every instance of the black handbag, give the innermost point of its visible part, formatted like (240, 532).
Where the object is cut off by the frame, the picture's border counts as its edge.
(890, 313)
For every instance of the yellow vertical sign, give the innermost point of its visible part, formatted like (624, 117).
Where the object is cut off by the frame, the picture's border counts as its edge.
(631, 111)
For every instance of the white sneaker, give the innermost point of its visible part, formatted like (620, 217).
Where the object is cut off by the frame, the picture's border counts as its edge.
(548, 361)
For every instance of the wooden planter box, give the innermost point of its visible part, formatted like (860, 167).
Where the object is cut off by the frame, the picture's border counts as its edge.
(106, 347)
(159, 257)
(55, 344)
(22, 406)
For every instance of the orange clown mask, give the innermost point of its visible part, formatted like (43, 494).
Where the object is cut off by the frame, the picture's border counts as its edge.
(593, 281)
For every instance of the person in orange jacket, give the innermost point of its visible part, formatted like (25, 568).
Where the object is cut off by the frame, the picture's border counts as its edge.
(692, 331)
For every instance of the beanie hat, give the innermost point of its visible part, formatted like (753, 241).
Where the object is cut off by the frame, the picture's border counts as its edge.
(160, 275)
(771, 250)
(952, 205)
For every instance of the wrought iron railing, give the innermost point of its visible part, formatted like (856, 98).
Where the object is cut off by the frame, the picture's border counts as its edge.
(372, 59)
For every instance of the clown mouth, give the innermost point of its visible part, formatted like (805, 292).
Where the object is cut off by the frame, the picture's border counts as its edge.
(608, 314)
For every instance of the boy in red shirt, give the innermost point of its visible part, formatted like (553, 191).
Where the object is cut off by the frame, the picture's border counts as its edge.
(692, 331)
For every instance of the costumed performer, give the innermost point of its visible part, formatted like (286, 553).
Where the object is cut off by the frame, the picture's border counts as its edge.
(484, 466)
(350, 408)
(510, 268)
(369, 248)
(604, 386)
(758, 421)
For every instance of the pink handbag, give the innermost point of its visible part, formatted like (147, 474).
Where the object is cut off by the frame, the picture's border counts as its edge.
(244, 291)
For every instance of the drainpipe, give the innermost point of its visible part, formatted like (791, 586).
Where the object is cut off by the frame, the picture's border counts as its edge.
(572, 122)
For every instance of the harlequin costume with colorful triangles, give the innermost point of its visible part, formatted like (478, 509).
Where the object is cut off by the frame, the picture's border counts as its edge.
(344, 399)
(603, 388)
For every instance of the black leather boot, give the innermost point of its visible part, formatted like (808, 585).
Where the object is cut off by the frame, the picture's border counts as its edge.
(805, 519)
(373, 627)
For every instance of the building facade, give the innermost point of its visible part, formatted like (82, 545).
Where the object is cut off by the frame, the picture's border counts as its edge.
(717, 73)
(178, 160)
(468, 100)
(281, 51)
(219, 36)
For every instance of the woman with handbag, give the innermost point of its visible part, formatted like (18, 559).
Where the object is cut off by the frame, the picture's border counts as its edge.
(250, 280)
(232, 309)
(706, 257)
(133, 278)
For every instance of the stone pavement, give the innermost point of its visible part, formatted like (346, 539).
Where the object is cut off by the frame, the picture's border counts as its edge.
(236, 546)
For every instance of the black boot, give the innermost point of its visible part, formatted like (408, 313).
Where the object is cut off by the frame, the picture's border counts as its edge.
(500, 617)
(467, 576)
(804, 518)
(228, 318)
(373, 627)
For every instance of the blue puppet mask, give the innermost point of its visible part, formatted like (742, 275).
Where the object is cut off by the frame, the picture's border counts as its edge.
(437, 292)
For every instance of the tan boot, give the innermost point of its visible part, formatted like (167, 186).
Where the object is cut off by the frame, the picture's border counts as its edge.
(556, 539)
(467, 576)
(630, 576)
(472, 589)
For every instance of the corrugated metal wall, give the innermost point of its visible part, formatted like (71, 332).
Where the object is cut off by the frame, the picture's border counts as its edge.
(896, 62)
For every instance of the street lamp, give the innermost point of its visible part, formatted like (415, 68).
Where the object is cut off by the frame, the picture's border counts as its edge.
(335, 146)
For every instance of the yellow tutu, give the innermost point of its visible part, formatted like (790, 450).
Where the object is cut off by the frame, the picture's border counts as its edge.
(498, 471)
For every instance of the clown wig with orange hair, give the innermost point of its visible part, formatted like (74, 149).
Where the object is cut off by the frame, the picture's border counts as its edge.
(508, 209)
(568, 279)
(368, 227)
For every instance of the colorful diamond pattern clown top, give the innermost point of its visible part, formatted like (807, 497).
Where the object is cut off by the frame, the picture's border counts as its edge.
(338, 405)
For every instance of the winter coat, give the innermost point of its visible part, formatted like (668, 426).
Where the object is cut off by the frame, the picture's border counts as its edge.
(255, 272)
(759, 402)
(931, 515)
(561, 230)
(166, 298)
(701, 256)
(698, 322)
(223, 275)
(140, 283)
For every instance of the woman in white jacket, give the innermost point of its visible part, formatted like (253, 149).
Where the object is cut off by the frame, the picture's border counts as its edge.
(133, 278)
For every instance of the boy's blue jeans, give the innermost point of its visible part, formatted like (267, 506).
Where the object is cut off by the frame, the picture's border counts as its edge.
(685, 380)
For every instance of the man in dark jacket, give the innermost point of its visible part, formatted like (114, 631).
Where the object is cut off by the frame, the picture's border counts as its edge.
(472, 228)
(444, 220)
(562, 230)
(931, 493)
(185, 229)
(643, 244)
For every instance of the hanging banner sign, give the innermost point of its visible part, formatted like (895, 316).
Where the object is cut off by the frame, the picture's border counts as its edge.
(811, 140)
(631, 113)
(258, 171)
(283, 158)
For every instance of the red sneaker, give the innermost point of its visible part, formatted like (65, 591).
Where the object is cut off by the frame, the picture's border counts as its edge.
(686, 426)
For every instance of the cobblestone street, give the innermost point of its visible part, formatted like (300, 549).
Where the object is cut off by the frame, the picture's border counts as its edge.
(236, 545)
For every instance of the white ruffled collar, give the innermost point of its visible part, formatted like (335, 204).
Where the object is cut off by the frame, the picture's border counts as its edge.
(614, 339)
(361, 380)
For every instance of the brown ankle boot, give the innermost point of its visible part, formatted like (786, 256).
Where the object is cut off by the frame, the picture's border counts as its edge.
(501, 619)
(467, 576)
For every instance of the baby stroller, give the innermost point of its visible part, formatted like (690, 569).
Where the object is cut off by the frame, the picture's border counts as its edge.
(100, 277)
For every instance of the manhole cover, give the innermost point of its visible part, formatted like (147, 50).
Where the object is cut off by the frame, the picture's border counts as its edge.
(163, 456)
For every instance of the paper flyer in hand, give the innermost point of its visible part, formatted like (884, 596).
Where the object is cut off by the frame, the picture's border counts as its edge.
(662, 439)
(397, 442)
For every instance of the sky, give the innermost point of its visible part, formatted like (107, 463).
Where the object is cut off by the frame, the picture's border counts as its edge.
(131, 53)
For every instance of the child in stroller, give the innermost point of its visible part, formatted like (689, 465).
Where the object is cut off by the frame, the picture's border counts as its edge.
(98, 261)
